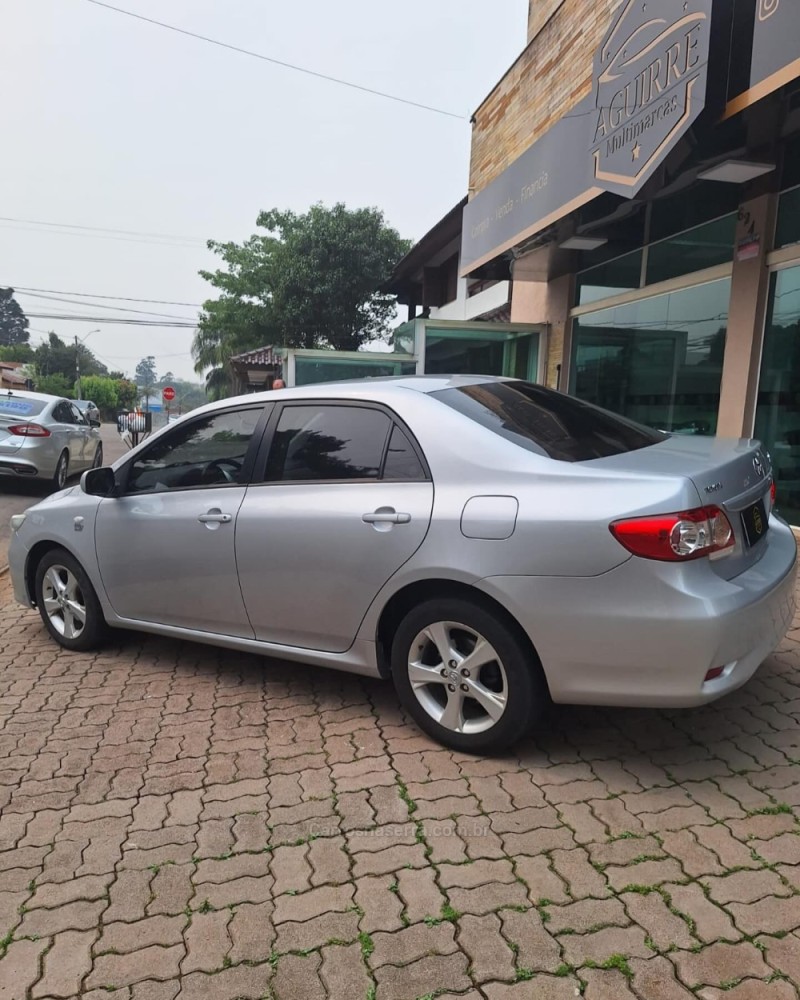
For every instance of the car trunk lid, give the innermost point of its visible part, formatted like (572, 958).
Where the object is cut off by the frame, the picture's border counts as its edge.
(733, 475)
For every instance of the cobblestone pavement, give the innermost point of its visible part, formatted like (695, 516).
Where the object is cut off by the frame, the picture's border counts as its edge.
(179, 821)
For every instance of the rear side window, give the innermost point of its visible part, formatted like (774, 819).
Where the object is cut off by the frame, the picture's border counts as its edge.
(402, 461)
(14, 406)
(318, 442)
(547, 422)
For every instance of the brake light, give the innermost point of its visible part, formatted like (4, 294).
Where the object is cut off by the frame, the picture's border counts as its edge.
(680, 537)
(29, 430)
(773, 494)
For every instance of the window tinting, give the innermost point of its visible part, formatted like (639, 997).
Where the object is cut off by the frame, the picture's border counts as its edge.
(327, 443)
(547, 422)
(63, 414)
(208, 452)
(401, 459)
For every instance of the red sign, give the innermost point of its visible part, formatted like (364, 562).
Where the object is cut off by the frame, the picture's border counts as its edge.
(168, 394)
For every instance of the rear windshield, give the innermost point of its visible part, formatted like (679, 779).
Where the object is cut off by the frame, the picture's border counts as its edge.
(17, 406)
(547, 422)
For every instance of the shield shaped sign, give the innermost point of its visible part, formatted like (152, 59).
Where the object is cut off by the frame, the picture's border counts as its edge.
(650, 87)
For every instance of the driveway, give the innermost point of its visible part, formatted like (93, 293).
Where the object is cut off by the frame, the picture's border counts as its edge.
(17, 494)
(180, 821)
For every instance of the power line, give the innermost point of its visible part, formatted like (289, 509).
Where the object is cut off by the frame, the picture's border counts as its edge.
(99, 236)
(176, 324)
(94, 295)
(103, 229)
(279, 62)
(100, 305)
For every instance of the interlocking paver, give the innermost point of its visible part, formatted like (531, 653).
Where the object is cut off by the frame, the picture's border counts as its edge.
(176, 822)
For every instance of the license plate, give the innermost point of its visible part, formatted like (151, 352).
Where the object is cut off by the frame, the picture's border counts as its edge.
(755, 522)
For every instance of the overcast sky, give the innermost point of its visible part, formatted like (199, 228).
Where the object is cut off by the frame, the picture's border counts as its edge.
(111, 122)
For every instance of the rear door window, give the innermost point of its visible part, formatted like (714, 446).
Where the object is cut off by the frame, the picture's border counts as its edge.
(324, 442)
(548, 422)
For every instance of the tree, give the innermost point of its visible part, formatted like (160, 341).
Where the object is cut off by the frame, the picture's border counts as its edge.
(17, 352)
(13, 322)
(54, 385)
(127, 394)
(312, 281)
(102, 391)
(146, 376)
(54, 357)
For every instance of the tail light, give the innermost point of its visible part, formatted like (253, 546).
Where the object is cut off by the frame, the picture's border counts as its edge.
(29, 430)
(692, 534)
(773, 494)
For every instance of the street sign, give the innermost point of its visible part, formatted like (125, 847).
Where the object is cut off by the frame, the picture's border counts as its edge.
(168, 394)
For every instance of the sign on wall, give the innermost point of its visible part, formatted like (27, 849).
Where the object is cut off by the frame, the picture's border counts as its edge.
(650, 80)
(649, 88)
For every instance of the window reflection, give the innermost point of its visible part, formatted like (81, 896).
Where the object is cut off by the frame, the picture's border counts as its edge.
(657, 361)
(778, 411)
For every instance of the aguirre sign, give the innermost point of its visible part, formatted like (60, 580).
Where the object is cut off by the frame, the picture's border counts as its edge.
(650, 82)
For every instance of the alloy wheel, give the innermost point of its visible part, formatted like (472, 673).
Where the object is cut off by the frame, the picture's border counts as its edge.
(458, 677)
(64, 602)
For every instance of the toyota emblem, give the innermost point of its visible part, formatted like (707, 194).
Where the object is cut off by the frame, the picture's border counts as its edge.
(758, 465)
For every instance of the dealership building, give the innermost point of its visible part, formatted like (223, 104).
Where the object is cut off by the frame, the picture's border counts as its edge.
(635, 190)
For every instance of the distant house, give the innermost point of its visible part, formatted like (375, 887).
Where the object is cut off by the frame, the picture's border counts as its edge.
(11, 376)
(256, 370)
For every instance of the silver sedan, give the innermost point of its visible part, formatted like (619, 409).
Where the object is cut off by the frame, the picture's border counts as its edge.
(486, 543)
(46, 437)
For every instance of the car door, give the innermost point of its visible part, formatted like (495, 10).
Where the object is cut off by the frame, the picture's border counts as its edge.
(165, 546)
(69, 433)
(345, 501)
(81, 437)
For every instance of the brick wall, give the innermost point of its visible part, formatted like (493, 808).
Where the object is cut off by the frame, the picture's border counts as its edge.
(551, 76)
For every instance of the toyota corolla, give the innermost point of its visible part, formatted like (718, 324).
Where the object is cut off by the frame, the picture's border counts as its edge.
(487, 544)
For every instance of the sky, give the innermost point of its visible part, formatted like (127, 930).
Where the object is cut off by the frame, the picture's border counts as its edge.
(116, 124)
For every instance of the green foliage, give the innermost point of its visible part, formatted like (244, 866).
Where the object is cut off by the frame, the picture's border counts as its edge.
(17, 352)
(312, 281)
(146, 376)
(102, 391)
(54, 385)
(54, 357)
(127, 394)
(13, 322)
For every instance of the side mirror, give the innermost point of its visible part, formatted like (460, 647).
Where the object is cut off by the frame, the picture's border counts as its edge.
(99, 482)
(94, 421)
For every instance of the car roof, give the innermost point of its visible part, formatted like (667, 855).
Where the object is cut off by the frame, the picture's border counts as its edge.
(365, 388)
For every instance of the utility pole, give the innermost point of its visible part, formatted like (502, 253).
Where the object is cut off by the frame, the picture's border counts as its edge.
(77, 367)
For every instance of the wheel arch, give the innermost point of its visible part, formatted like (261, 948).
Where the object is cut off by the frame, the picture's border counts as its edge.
(399, 604)
(35, 556)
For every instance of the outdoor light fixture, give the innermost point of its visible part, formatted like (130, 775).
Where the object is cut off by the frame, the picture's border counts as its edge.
(736, 171)
(583, 243)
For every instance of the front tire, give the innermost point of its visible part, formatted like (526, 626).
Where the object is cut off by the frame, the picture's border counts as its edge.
(68, 603)
(466, 676)
(60, 475)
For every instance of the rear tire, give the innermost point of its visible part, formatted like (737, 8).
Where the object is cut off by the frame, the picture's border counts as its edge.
(62, 468)
(68, 603)
(466, 676)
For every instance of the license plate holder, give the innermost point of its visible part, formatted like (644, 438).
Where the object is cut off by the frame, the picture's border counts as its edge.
(755, 523)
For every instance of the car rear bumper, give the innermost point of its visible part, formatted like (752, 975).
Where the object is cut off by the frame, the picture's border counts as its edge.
(646, 634)
(10, 466)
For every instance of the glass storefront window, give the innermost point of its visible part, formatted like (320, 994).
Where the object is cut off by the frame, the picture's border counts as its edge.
(694, 250)
(610, 278)
(309, 371)
(788, 233)
(778, 409)
(480, 352)
(658, 360)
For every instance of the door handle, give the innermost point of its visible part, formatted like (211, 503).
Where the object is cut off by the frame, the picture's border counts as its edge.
(386, 517)
(215, 518)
